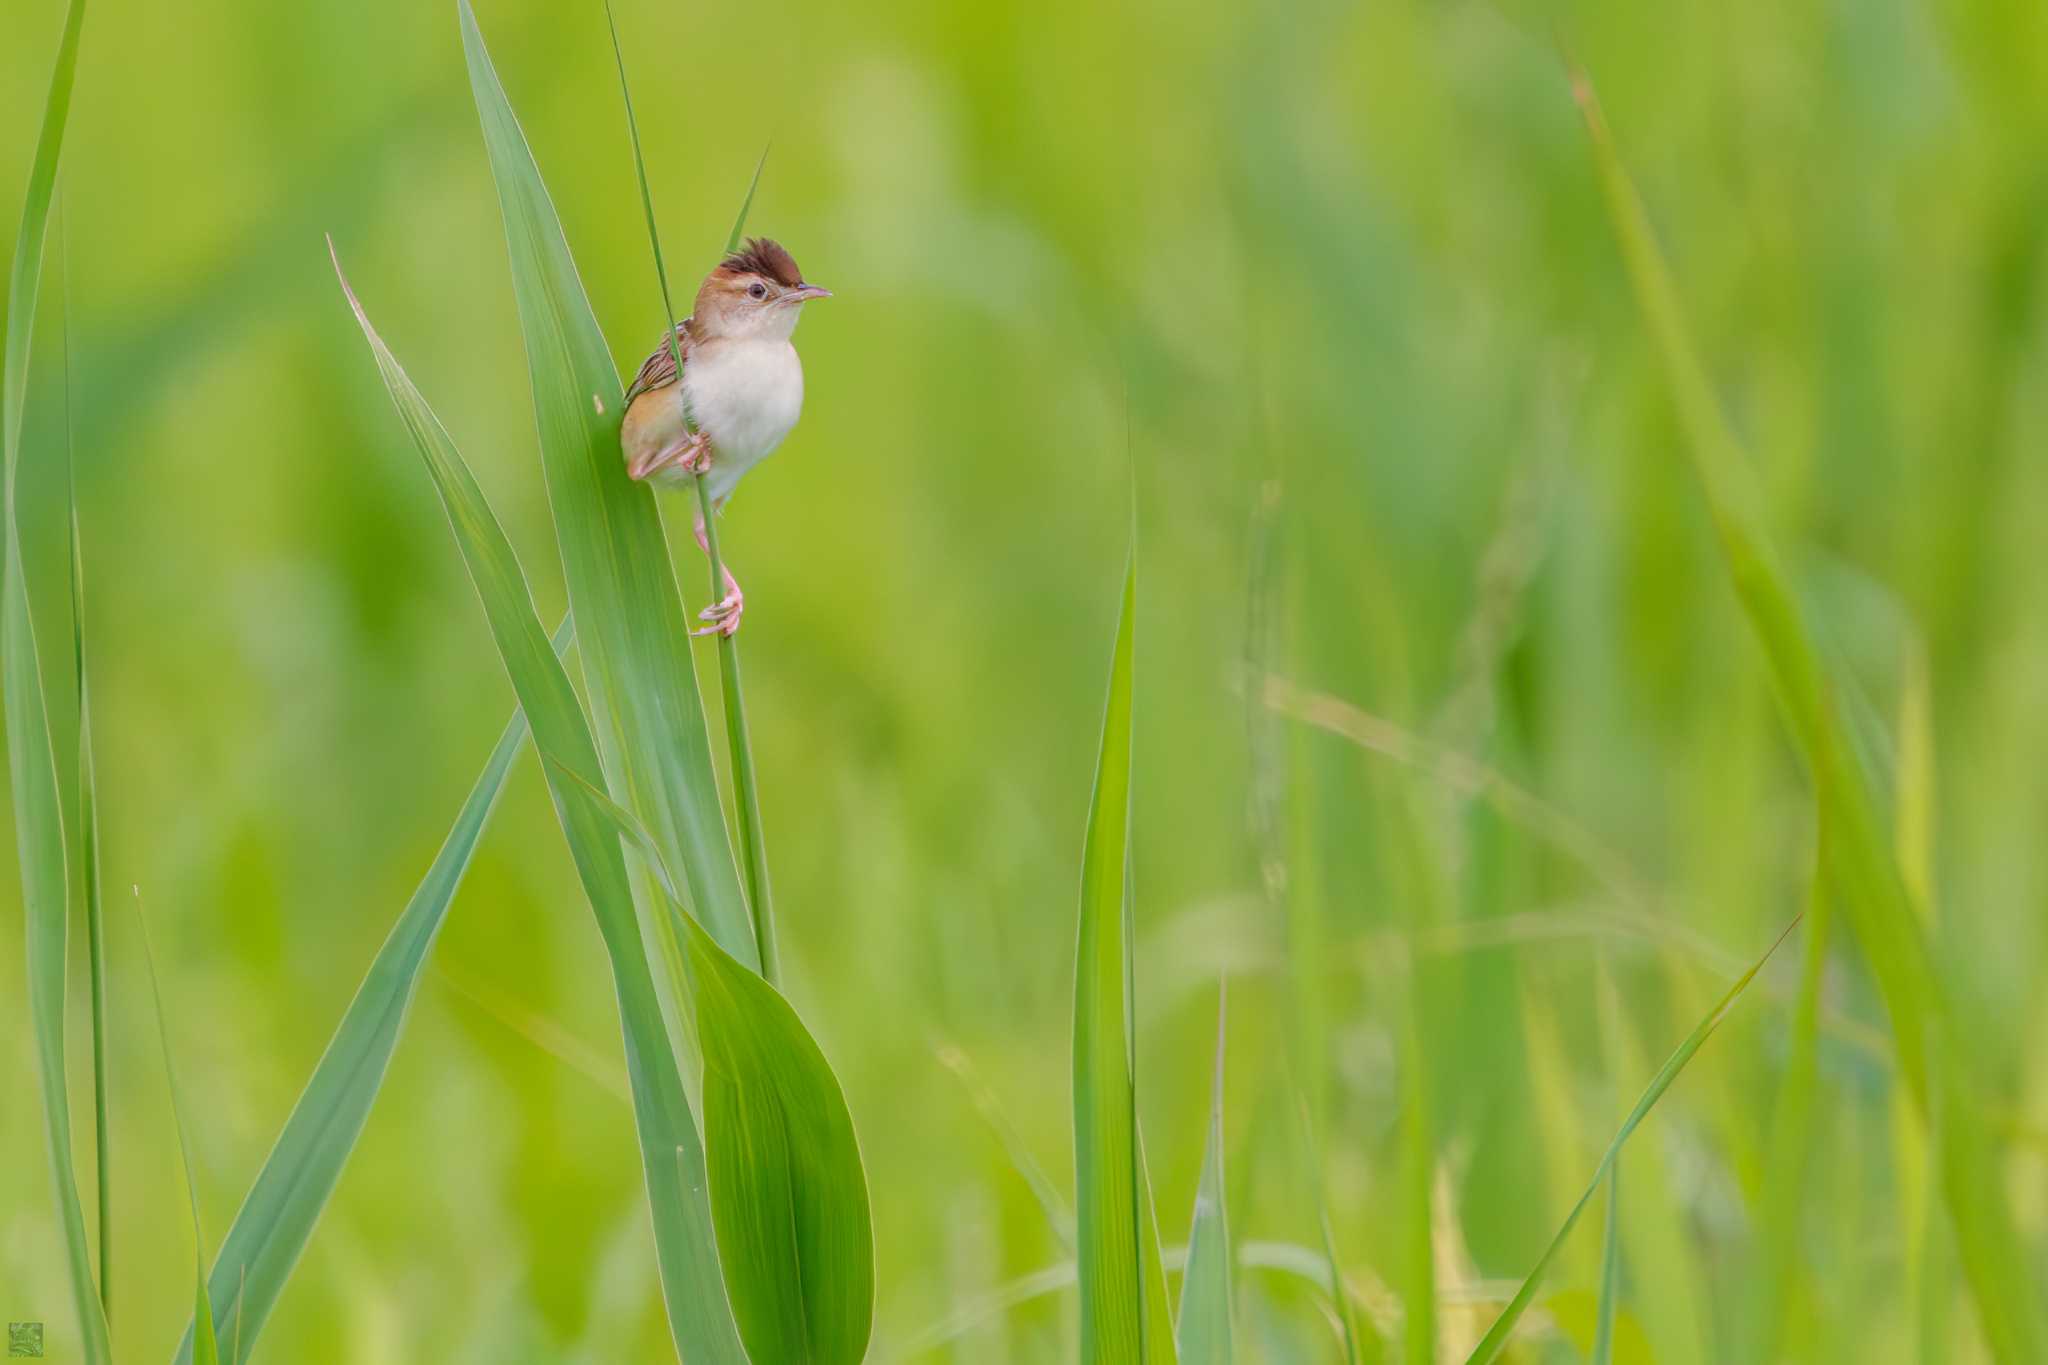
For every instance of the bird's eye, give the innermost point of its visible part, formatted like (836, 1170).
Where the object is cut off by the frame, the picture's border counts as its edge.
(757, 290)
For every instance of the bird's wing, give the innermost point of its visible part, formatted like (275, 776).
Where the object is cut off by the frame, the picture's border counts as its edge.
(658, 371)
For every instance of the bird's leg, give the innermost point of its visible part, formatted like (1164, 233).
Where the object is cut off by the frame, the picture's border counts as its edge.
(724, 614)
(692, 455)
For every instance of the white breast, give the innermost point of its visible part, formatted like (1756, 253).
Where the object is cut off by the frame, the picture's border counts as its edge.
(746, 396)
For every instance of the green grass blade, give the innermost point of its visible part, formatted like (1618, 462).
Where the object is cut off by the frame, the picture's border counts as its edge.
(630, 631)
(1863, 870)
(207, 1349)
(1496, 1336)
(1117, 1322)
(1791, 1145)
(746, 790)
(90, 889)
(1205, 1330)
(1610, 1274)
(1360, 1347)
(671, 1155)
(789, 1195)
(38, 817)
(739, 224)
(284, 1204)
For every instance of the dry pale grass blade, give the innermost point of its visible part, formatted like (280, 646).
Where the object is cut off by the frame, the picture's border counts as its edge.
(32, 762)
(1863, 872)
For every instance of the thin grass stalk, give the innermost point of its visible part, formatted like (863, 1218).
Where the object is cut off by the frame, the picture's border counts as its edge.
(1785, 1176)
(746, 793)
(1610, 1275)
(1496, 1338)
(88, 809)
(206, 1347)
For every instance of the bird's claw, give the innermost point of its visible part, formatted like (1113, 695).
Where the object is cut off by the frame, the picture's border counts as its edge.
(724, 615)
(696, 457)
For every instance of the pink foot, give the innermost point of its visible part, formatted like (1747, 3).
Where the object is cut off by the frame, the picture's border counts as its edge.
(724, 614)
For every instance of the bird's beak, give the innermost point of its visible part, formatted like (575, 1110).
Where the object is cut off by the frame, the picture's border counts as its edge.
(807, 291)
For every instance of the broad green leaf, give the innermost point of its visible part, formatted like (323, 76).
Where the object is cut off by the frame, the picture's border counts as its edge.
(32, 759)
(1204, 1332)
(789, 1196)
(207, 1350)
(746, 791)
(298, 1177)
(630, 631)
(671, 1156)
(1496, 1336)
(1863, 870)
(1118, 1244)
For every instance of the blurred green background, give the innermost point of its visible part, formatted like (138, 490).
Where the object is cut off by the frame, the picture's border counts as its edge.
(1332, 285)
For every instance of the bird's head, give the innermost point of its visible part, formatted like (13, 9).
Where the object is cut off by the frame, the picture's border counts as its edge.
(756, 292)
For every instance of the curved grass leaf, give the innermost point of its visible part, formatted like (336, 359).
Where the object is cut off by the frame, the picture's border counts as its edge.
(277, 1218)
(1123, 1289)
(38, 816)
(648, 719)
(1204, 1331)
(1496, 1336)
(789, 1196)
(1863, 870)
(671, 1157)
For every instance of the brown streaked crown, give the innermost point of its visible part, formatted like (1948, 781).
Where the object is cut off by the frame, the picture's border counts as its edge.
(765, 257)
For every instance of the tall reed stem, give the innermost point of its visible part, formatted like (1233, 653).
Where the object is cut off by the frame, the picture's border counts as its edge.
(753, 851)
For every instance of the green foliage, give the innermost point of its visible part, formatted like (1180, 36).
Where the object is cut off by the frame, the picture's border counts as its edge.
(671, 1156)
(1497, 1335)
(277, 1217)
(630, 631)
(789, 1198)
(1123, 1284)
(32, 761)
(1861, 868)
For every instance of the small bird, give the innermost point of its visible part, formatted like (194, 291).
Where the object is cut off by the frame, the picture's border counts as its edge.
(742, 385)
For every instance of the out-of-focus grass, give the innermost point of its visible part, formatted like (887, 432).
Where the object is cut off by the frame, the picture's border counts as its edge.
(1360, 253)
